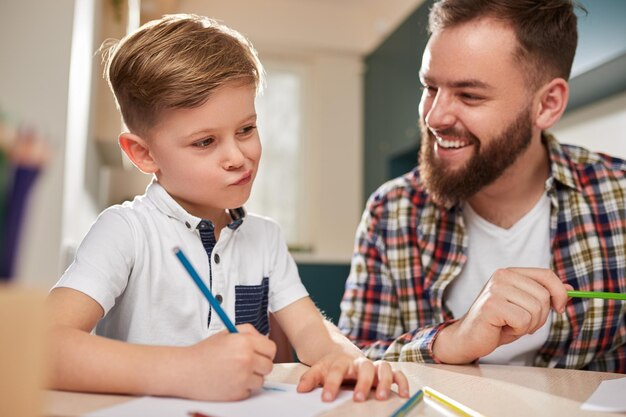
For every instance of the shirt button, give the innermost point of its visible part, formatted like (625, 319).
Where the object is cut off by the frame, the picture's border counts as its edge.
(217, 258)
(219, 298)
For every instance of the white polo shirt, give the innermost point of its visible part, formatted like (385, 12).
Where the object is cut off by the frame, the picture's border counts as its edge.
(127, 264)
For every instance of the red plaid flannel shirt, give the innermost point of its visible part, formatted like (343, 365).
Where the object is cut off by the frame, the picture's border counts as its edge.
(408, 250)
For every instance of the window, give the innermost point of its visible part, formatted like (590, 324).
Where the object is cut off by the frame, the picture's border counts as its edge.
(278, 190)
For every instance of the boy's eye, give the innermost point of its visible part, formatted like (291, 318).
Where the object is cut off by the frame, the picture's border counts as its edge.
(247, 130)
(203, 143)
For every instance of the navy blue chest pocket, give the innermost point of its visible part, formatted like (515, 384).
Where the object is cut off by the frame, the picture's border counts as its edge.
(251, 305)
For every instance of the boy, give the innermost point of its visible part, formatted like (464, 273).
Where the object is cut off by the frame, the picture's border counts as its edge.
(185, 86)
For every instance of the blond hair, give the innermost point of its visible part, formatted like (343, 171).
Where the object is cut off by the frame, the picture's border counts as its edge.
(175, 62)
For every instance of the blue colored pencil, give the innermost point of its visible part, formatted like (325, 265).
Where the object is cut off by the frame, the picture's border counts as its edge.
(207, 293)
(405, 408)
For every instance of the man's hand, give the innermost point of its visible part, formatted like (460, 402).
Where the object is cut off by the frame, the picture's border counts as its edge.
(335, 368)
(515, 302)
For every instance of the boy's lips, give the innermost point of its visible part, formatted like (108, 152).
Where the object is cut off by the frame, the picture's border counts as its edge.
(244, 179)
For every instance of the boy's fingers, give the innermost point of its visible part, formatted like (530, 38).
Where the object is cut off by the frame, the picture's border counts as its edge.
(365, 376)
(333, 380)
(402, 382)
(262, 365)
(309, 380)
(261, 344)
(385, 379)
(247, 328)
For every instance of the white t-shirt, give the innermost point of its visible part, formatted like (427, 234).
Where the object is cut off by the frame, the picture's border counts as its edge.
(525, 244)
(127, 264)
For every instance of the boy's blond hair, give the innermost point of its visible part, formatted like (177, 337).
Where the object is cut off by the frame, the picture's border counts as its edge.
(176, 62)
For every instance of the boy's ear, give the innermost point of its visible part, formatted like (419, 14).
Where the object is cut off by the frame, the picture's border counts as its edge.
(138, 151)
(552, 102)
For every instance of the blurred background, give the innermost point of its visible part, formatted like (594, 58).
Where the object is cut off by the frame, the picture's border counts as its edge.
(337, 119)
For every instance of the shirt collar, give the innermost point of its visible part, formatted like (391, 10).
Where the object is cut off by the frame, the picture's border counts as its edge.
(168, 206)
(560, 165)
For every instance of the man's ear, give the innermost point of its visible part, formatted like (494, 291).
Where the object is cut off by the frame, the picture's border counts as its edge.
(552, 100)
(138, 151)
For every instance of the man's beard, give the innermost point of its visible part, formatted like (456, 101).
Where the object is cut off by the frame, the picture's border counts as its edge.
(447, 186)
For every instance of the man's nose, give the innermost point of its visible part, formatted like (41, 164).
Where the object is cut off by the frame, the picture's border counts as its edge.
(440, 115)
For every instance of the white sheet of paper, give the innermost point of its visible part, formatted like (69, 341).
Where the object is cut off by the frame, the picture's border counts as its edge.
(275, 399)
(609, 396)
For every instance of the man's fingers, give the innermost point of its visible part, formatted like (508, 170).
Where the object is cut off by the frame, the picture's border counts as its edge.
(534, 300)
(549, 280)
(501, 313)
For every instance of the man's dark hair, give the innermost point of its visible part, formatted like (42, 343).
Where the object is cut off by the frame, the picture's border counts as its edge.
(545, 29)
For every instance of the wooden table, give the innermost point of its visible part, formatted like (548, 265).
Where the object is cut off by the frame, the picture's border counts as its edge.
(493, 390)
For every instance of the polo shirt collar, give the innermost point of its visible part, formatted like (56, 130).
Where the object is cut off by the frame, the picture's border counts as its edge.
(168, 206)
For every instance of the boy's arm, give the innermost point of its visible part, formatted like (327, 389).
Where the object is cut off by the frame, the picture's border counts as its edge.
(222, 367)
(332, 357)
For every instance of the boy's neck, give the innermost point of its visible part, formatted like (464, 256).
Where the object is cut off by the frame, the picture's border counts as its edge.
(219, 221)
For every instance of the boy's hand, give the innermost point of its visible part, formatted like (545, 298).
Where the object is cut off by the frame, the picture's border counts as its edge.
(224, 367)
(333, 369)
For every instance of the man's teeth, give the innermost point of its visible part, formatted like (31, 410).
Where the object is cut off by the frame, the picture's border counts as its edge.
(450, 144)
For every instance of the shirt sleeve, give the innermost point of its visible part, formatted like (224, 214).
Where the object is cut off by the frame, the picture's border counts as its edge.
(103, 261)
(285, 284)
(372, 314)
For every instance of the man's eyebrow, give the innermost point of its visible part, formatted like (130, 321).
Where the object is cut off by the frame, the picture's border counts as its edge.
(470, 83)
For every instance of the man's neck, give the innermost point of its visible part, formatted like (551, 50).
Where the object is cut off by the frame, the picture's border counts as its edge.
(518, 189)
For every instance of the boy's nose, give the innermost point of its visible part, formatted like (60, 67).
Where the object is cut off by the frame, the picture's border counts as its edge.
(234, 157)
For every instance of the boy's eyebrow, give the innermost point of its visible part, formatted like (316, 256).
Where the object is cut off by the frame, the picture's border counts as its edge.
(209, 129)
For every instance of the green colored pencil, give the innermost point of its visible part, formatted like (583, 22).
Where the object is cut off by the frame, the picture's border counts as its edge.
(591, 294)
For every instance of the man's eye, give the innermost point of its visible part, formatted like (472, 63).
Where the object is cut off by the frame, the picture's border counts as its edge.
(431, 91)
(203, 143)
(470, 97)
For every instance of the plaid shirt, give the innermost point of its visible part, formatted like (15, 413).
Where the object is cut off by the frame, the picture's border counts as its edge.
(408, 250)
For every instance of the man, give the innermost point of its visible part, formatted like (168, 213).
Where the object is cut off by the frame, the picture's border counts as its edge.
(470, 256)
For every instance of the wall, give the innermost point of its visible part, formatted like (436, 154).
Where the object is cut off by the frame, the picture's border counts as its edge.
(35, 41)
(599, 68)
(81, 161)
(392, 93)
(600, 126)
